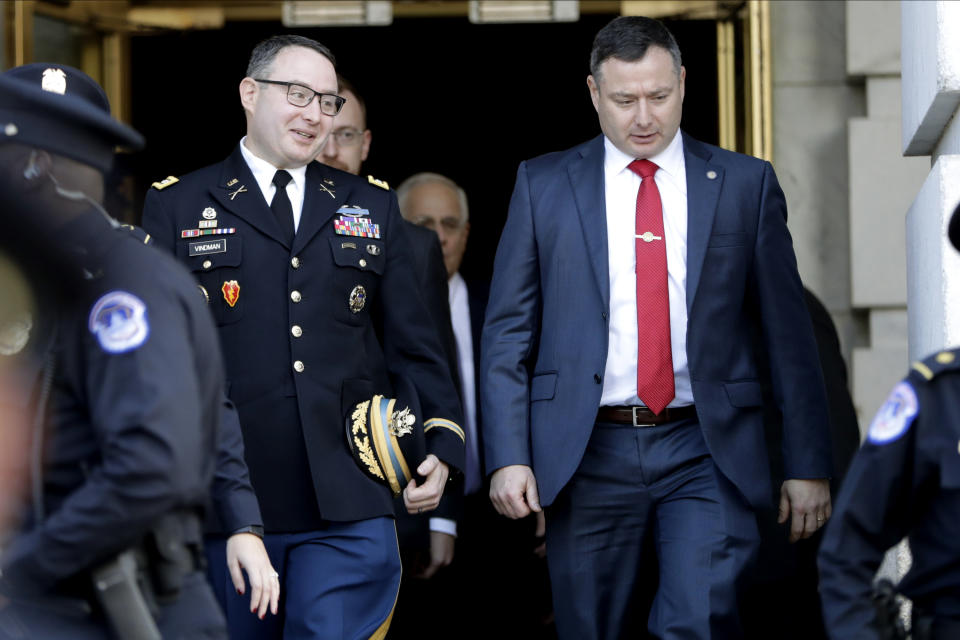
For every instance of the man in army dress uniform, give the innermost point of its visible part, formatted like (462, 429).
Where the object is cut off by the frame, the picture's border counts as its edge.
(308, 276)
(123, 387)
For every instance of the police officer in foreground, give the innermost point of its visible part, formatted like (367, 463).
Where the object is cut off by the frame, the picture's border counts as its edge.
(125, 389)
(904, 482)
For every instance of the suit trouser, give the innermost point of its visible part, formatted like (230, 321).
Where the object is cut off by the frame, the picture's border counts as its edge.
(660, 482)
(340, 582)
(193, 615)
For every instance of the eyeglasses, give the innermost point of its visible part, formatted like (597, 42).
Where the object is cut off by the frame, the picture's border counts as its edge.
(449, 224)
(300, 96)
(347, 136)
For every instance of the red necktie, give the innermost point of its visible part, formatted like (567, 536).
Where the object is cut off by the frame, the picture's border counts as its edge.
(654, 359)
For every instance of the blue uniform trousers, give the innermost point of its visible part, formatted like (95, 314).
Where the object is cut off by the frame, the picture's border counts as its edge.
(339, 582)
(657, 484)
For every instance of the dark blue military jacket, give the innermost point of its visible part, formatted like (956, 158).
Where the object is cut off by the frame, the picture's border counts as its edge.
(133, 408)
(904, 481)
(308, 330)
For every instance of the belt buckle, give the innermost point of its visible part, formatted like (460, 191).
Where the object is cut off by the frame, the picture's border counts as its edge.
(639, 424)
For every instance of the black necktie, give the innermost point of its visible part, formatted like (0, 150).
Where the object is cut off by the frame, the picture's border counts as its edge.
(281, 206)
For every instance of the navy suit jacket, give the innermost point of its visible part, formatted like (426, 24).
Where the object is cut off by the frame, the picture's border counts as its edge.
(347, 354)
(545, 338)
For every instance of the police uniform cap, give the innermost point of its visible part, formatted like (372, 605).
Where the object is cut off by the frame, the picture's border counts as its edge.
(62, 110)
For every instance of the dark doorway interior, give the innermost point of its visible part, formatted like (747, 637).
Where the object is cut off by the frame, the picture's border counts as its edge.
(469, 101)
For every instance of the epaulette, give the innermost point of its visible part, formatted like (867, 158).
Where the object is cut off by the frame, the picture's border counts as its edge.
(137, 233)
(166, 182)
(380, 183)
(934, 365)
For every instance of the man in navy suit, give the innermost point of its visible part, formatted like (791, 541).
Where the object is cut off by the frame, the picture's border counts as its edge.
(308, 275)
(619, 385)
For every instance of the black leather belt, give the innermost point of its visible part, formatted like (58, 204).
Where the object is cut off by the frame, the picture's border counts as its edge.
(643, 417)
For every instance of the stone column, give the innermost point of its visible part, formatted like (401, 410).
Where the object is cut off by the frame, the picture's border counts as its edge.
(931, 102)
(882, 185)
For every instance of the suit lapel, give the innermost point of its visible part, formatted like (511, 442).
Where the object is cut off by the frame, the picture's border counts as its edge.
(586, 177)
(238, 193)
(321, 199)
(703, 192)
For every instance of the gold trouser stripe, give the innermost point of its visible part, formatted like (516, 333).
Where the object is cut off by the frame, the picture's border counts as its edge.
(381, 631)
(446, 424)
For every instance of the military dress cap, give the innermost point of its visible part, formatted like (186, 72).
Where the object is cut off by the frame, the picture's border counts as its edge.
(63, 110)
(953, 231)
(386, 436)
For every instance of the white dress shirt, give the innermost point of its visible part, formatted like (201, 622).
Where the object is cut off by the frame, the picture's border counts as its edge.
(263, 173)
(621, 185)
(463, 333)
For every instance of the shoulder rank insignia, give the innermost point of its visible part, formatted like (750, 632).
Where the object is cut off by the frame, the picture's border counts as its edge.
(379, 183)
(937, 363)
(166, 182)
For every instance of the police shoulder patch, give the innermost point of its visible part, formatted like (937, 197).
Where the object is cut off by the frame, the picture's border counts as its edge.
(380, 183)
(895, 416)
(119, 321)
(166, 182)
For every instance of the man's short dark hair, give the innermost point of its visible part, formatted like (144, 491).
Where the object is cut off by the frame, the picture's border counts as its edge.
(627, 38)
(346, 85)
(264, 53)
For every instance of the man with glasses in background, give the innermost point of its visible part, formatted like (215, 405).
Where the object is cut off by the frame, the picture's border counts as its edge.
(427, 541)
(348, 145)
(308, 275)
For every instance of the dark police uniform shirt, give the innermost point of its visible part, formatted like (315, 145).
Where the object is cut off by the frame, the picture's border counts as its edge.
(308, 330)
(135, 399)
(904, 481)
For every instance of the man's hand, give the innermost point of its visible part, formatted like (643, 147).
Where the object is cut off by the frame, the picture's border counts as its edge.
(427, 496)
(513, 491)
(807, 503)
(441, 553)
(246, 551)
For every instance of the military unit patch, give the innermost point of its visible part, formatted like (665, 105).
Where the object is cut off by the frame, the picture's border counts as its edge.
(895, 416)
(231, 292)
(361, 227)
